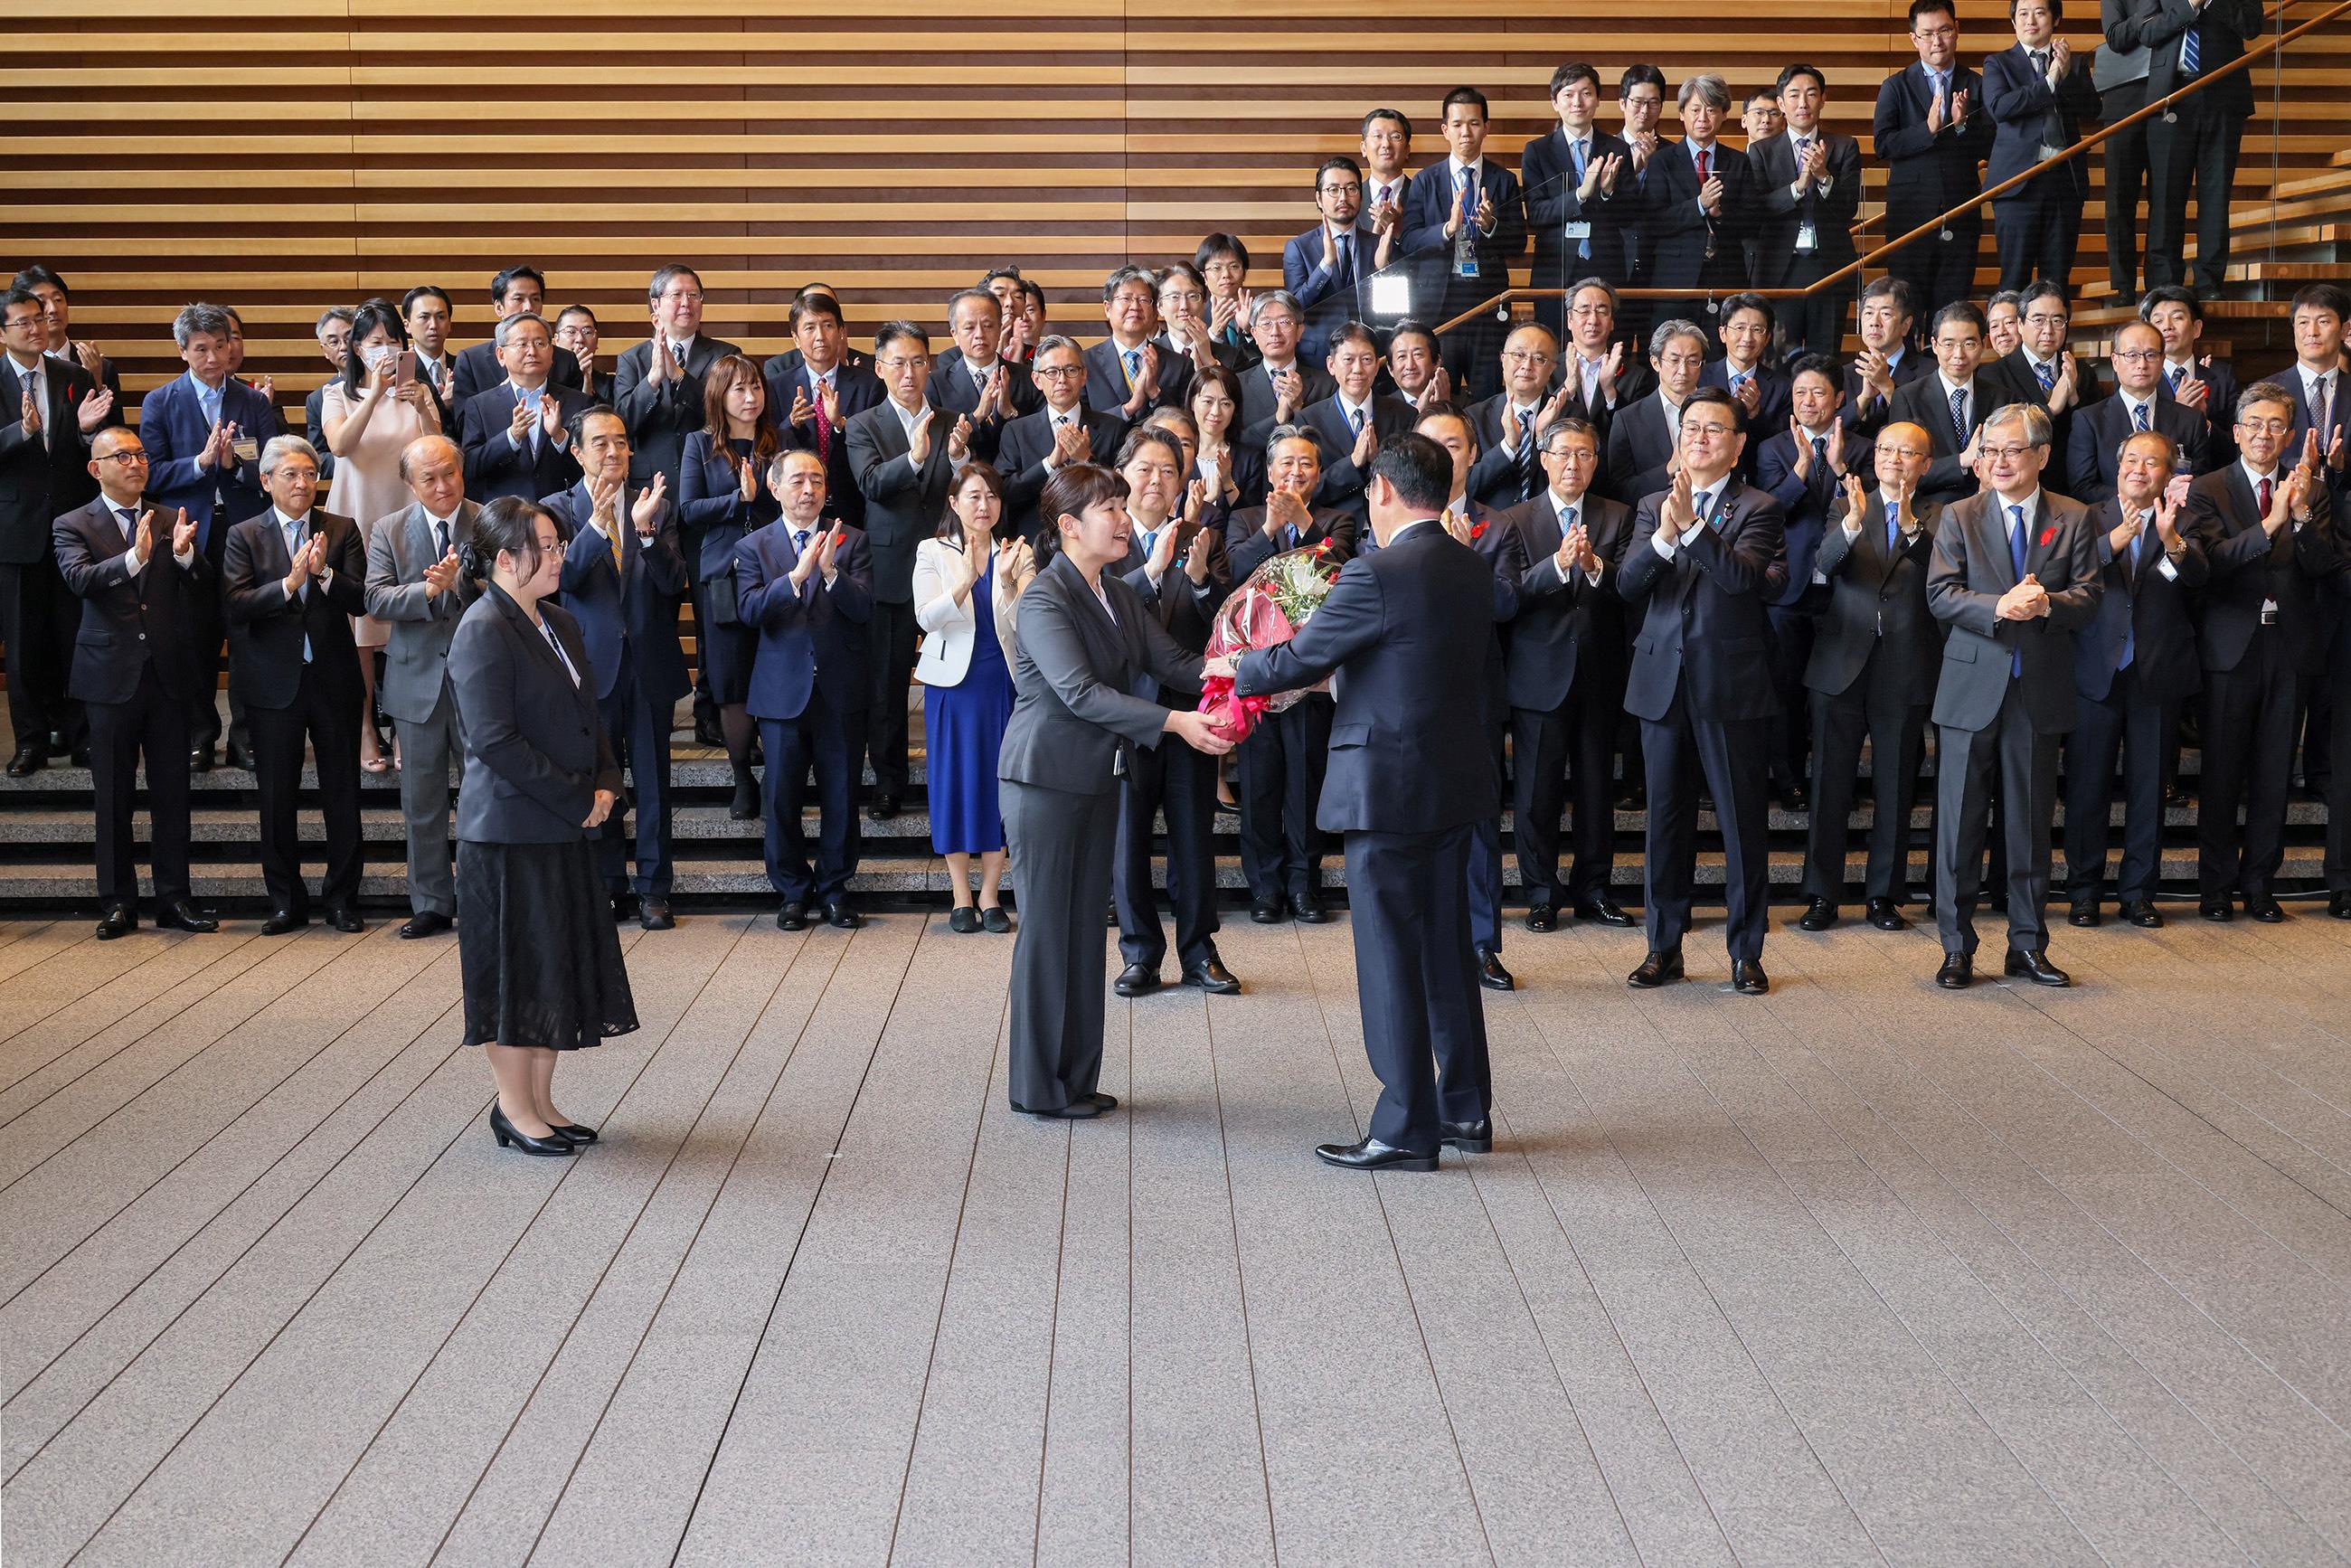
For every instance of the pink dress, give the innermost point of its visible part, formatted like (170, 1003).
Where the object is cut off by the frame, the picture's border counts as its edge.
(368, 487)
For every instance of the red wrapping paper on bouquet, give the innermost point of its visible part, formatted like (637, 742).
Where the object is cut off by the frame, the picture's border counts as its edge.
(1266, 610)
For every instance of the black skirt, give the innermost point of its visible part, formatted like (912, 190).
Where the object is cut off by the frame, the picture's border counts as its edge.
(536, 944)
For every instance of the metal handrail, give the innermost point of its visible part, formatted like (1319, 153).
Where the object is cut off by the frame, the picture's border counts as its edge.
(2260, 52)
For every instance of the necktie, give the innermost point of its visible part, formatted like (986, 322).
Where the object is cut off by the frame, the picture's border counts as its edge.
(1150, 538)
(1566, 524)
(2175, 374)
(2138, 416)
(129, 526)
(1959, 414)
(2318, 400)
(1355, 420)
(799, 544)
(1699, 505)
(823, 424)
(1705, 157)
(1526, 454)
(2262, 497)
(617, 567)
(2016, 561)
(1386, 193)
(1133, 358)
(2046, 370)
(530, 400)
(2041, 61)
(1821, 458)
(1290, 533)
(2130, 629)
(1892, 528)
(293, 548)
(1346, 258)
(1579, 149)
(440, 540)
(2191, 53)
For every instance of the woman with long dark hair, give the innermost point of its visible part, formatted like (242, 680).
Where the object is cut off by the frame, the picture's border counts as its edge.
(540, 960)
(722, 496)
(1085, 638)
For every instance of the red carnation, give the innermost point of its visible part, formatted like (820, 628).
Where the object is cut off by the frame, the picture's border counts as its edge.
(2048, 537)
(1477, 532)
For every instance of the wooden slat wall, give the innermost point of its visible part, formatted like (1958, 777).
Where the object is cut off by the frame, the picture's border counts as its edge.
(283, 155)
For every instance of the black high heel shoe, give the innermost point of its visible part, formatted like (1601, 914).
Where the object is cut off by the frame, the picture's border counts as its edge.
(506, 1133)
(577, 1134)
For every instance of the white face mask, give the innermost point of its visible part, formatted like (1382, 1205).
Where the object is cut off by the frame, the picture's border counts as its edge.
(376, 354)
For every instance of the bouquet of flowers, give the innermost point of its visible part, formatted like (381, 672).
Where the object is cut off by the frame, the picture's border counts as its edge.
(1265, 611)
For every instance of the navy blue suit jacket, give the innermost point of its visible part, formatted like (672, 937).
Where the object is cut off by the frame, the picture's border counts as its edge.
(174, 429)
(632, 611)
(2020, 101)
(1428, 203)
(1678, 236)
(859, 390)
(1547, 170)
(1703, 631)
(494, 466)
(813, 640)
(1804, 505)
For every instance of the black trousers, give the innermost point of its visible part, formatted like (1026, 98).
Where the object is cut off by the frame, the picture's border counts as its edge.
(152, 724)
(2130, 723)
(208, 617)
(893, 631)
(1938, 270)
(1061, 846)
(1815, 324)
(1556, 751)
(38, 619)
(2037, 231)
(1790, 736)
(2127, 181)
(2247, 731)
(2024, 762)
(329, 721)
(2200, 149)
(1416, 981)
(1729, 755)
(834, 744)
(639, 733)
(1171, 778)
(1281, 767)
(1877, 705)
(2338, 774)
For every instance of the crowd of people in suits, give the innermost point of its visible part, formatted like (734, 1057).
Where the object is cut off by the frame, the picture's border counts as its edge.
(1724, 555)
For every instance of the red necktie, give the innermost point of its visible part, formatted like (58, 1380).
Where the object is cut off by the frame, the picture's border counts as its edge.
(823, 425)
(2262, 498)
(1704, 157)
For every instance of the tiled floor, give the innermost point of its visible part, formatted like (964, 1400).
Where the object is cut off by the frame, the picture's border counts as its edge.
(1861, 1271)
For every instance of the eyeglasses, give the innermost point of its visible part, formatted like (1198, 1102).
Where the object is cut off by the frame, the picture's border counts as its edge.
(2006, 454)
(1525, 357)
(1586, 312)
(2137, 356)
(1351, 188)
(124, 459)
(897, 362)
(1709, 432)
(680, 296)
(1058, 372)
(2267, 426)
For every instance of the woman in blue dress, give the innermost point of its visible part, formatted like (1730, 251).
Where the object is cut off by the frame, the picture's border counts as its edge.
(967, 587)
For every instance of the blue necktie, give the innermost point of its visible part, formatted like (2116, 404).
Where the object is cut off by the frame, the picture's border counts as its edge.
(292, 548)
(1821, 460)
(2130, 627)
(1892, 528)
(1959, 414)
(1133, 365)
(2138, 416)
(1346, 259)
(1150, 538)
(799, 544)
(2016, 560)
(2175, 374)
(1576, 151)
(2191, 54)
(2047, 372)
(1291, 533)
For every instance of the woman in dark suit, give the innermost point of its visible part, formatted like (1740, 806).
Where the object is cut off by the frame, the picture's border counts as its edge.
(535, 943)
(1230, 471)
(1085, 637)
(720, 499)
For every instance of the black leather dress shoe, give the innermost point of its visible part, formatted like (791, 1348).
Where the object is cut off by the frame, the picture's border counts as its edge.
(239, 754)
(1541, 917)
(1136, 980)
(1469, 1137)
(1657, 970)
(1372, 1154)
(346, 919)
(27, 761)
(180, 916)
(1490, 973)
(1886, 915)
(1957, 973)
(424, 923)
(2177, 796)
(2084, 915)
(1075, 1111)
(1211, 976)
(2263, 908)
(2217, 909)
(578, 1134)
(1308, 910)
(1265, 912)
(1603, 912)
(2035, 967)
(1748, 978)
(885, 807)
(2339, 906)
(116, 922)
(792, 917)
(1818, 915)
(655, 915)
(2142, 912)
(78, 757)
(625, 907)
(56, 744)
(509, 1136)
(282, 921)
(841, 917)
(200, 759)
(1106, 1102)
(1796, 797)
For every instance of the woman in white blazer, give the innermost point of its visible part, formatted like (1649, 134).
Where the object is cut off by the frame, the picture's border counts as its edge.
(967, 588)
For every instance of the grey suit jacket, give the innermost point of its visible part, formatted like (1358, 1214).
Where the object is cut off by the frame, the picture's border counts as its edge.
(1076, 712)
(1972, 569)
(1877, 603)
(416, 660)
